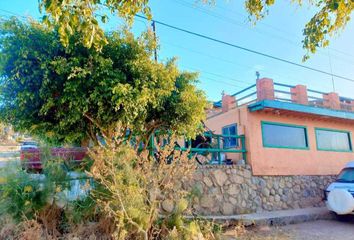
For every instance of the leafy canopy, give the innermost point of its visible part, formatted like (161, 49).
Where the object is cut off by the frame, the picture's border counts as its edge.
(68, 94)
(76, 16)
(329, 20)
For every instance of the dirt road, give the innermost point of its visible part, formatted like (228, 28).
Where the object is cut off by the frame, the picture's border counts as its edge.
(317, 230)
(321, 230)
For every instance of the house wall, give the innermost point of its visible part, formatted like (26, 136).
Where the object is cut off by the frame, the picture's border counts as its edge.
(235, 115)
(281, 161)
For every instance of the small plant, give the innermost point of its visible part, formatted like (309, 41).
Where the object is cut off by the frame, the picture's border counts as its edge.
(145, 197)
(133, 195)
(21, 196)
(44, 198)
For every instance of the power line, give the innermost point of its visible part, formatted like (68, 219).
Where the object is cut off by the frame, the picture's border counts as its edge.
(248, 67)
(247, 49)
(212, 79)
(222, 82)
(272, 27)
(232, 63)
(231, 45)
(231, 20)
(12, 13)
(262, 33)
(191, 68)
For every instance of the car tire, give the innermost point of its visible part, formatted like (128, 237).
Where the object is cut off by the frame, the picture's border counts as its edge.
(343, 218)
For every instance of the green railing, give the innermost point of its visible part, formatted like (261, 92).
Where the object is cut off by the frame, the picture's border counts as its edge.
(215, 146)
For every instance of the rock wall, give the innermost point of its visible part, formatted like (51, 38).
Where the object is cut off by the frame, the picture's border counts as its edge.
(227, 190)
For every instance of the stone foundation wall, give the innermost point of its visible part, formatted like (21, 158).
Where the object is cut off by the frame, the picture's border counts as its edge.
(227, 190)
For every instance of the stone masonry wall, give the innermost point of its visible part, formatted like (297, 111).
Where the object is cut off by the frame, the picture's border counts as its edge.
(227, 190)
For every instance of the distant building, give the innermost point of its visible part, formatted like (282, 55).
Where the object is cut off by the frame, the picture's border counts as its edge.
(288, 130)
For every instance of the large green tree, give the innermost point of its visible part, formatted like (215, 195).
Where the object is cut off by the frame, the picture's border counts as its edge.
(77, 16)
(72, 93)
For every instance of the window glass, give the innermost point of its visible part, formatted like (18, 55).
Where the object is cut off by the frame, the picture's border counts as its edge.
(230, 142)
(346, 175)
(333, 140)
(283, 136)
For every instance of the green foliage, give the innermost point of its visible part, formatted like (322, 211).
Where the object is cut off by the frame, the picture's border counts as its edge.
(82, 17)
(74, 93)
(331, 18)
(82, 210)
(25, 196)
(21, 196)
(75, 16)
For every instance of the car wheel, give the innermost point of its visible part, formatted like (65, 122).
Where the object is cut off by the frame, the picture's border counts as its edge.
(343, 218)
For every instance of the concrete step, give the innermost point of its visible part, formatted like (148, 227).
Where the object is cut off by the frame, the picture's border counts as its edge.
(276, 218)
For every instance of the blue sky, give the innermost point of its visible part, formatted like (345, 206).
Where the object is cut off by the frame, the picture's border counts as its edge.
(224, 68)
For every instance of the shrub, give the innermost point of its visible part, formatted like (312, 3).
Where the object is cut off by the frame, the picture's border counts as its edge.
(21, 196)
(137, 186)
(44, 197)
(134, 196)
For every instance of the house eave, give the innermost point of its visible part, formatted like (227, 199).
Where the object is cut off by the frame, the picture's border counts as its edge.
(325, 112)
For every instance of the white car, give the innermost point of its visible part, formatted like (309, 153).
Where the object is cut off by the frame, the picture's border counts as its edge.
(339, 195)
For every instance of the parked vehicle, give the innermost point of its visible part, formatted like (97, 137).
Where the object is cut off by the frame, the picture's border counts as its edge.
(31, 158)
(29, 145)
(339, 195)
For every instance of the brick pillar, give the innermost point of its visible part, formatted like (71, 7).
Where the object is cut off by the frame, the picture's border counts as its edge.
(265, 89)
(351, 106)
(299, 94)
(331, 100)
(228, 102)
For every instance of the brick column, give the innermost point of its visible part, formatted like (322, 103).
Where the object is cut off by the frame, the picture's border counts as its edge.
(351, 106)
(228, 102)
(299, 94)
(331, 100)
(265, 89)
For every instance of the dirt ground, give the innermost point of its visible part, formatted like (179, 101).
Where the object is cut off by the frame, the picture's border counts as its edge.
(322, 230)
(317, 230)
(8, 153)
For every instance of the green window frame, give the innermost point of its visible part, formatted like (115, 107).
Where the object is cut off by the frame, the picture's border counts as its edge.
(349, 135)
(230, 142)
(264, 123)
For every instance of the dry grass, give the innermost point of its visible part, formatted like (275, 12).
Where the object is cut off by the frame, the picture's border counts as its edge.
(34, 230)
(7, 228)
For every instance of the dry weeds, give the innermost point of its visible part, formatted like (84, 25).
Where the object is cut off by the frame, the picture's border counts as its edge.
(256, 233)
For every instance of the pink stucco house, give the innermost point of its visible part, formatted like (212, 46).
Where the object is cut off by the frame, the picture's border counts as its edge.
(288, 130)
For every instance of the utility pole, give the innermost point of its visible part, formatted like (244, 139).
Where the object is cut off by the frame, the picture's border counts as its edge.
(154, 30)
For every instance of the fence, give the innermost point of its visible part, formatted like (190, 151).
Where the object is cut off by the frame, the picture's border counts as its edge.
(210, 150)
(282, 92)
